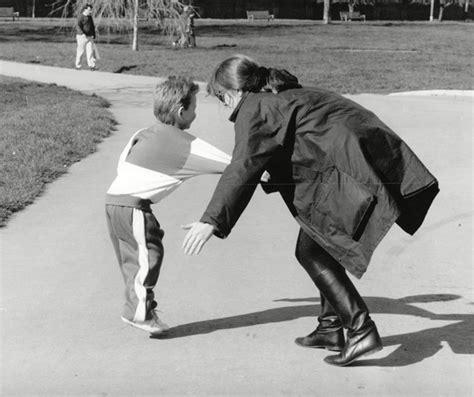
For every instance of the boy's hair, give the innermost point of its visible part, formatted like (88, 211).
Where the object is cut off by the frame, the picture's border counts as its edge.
(86, 6)
(170, 95)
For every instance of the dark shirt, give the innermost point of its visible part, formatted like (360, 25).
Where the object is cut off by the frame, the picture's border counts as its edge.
(85, 25)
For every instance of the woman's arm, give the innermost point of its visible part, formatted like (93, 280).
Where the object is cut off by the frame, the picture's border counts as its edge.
(256, 143)
(231, 196)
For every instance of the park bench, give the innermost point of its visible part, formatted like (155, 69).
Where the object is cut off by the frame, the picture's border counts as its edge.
(351, 16)
(9, 12)
(259, 15)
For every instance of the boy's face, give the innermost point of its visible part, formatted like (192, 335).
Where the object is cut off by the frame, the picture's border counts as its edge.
(187, 116)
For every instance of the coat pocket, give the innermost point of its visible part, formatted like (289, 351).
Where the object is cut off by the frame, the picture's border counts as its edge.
(342, 203)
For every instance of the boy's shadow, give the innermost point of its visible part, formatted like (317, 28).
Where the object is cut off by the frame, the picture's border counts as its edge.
(414, 347)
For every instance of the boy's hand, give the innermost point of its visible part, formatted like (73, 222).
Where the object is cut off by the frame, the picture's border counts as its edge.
(196, 237)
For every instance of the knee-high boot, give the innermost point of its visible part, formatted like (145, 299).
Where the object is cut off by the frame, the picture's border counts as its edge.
(329, 333)
(362, 334)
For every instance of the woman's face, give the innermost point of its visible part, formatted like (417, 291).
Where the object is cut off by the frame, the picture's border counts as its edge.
(231, 98)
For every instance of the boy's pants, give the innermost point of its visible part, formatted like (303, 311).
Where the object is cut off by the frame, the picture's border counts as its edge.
(137, 239)
(85, 43)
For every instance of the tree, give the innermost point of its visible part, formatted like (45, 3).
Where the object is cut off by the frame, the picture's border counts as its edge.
(351, 5)
(125, 14)
(432, 10)
(327, 11)
(442, 5)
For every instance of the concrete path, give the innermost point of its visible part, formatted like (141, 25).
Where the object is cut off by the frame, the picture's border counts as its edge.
(238, 306)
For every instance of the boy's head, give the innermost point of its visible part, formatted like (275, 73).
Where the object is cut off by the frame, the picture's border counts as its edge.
(174, 101)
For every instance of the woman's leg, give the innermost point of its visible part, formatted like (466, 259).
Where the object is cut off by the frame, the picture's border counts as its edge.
(336, 287)
(329, 333)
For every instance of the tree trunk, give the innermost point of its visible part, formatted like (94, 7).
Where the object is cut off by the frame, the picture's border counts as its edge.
(135, 26)
(441, 12)
(326, 13)
(442, 5)
(33, 9)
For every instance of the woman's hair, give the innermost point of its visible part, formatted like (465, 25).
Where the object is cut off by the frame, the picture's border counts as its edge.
(170, 95)
(240, 72)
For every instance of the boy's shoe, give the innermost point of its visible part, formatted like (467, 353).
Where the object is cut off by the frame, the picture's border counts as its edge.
(154, 326)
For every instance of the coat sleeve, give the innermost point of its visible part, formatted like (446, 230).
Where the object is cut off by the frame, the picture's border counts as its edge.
(256, 141)
(93, 28)
(80, 24)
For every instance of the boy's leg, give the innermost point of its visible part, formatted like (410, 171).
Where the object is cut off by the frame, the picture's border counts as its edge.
(136, 236)
(149, 235)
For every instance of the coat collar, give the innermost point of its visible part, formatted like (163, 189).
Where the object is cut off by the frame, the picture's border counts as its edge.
(234, 114)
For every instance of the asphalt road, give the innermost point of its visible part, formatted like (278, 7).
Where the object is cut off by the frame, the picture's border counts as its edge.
(237, 307)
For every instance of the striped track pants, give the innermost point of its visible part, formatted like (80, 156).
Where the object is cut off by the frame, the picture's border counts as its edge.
(137, 239)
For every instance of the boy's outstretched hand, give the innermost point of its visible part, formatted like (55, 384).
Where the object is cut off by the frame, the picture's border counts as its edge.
(196, 237)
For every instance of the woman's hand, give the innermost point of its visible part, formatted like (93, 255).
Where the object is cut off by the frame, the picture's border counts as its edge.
(196, 237)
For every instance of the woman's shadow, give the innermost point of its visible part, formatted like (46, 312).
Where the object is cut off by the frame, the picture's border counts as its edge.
(414, 347)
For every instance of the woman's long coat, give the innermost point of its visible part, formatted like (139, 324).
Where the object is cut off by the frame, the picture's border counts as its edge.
(344, 175)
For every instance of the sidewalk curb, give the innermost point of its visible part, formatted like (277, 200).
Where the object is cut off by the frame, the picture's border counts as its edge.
(98, 80)
(450, 93)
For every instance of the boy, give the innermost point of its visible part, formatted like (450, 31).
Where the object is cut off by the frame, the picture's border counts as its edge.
(155, 162)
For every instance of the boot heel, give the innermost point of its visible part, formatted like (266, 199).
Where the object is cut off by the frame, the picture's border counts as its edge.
(358, 345)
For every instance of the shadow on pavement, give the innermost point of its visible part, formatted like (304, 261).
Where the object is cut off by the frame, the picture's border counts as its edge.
(414, 347)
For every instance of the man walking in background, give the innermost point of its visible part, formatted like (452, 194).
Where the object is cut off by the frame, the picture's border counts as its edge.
(85, 38)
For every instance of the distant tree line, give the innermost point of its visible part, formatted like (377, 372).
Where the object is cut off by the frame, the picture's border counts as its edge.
(291, 9)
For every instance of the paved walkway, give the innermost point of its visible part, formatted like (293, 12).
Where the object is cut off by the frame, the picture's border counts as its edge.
(239, 305)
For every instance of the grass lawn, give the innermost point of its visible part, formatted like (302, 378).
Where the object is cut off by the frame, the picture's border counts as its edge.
(44, 129)
(357, 57)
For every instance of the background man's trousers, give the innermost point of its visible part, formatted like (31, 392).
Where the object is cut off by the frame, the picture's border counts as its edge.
(85, 43)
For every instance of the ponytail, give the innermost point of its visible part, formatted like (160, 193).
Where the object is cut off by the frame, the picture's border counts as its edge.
(241, 73)
(280, 80)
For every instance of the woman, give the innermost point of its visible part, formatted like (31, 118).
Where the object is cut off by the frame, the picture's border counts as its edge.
(344, 175)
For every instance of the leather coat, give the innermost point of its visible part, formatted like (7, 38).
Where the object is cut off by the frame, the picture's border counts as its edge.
(344, 174)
